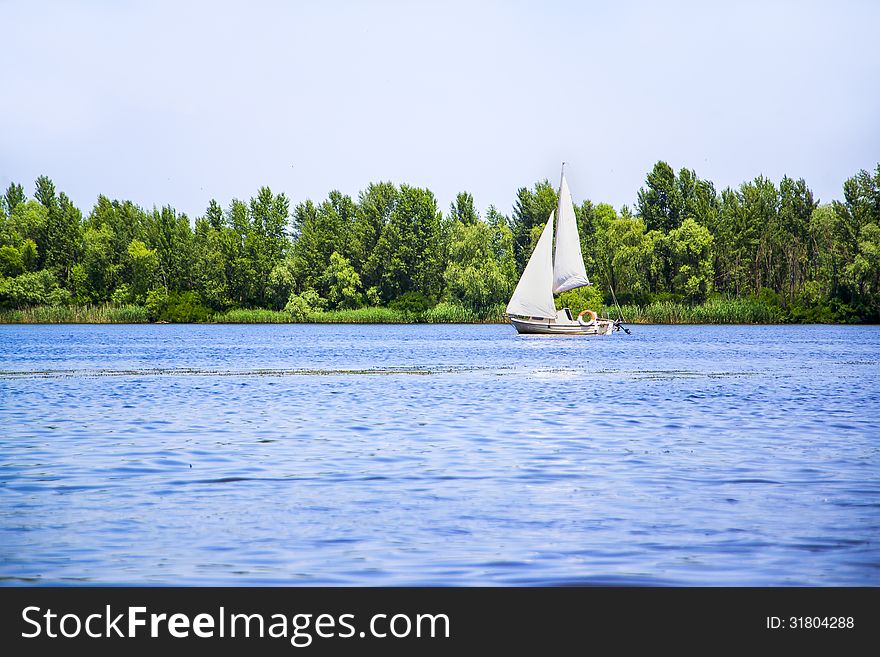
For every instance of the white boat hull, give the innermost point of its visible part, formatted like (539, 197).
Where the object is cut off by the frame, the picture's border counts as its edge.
(531, 326)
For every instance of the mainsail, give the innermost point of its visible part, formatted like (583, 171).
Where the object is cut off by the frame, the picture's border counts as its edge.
(533, 296)
(568, 265)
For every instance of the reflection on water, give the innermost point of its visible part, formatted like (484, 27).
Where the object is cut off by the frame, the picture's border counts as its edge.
(458, 455)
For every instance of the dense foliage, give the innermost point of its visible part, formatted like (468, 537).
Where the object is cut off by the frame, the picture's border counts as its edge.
(760, 252)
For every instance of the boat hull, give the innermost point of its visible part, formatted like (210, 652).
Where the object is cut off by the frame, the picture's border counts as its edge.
(554, 327)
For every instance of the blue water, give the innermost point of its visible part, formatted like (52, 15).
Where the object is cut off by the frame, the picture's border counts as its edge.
(439, 455)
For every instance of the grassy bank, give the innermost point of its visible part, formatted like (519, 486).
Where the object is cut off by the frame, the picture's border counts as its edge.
(252, 316)
(100, 314)
(443, 313)
(714, 311)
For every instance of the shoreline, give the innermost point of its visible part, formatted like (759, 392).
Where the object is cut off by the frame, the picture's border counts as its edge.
(717, 311)
(403, 323)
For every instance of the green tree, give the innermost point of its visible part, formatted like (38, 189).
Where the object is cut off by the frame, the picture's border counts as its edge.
(44, 192)
(408, 256)
(745, 236)
(97, 274)
(624, 254)
(462, 209)
(171, 236)
(828, 257)
(67, 235)
(865, 268)
(690, 246)
(108, 232)
(126, 222)
(374, 207)
(664, 203)
(698, 199)
(475, 276)
(240, 271)
(855, 232)
(214, 215)
(305, 262)
(266, 239)
(793, 253)
(342, 283)
(11, 261)
(659, 203)
(62, 237)
(210, 266)
(320, 231)
(502, 245)
(11, 198)
(22, 230)
(143, 264)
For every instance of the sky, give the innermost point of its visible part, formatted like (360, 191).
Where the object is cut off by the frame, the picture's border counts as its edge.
(180, 102)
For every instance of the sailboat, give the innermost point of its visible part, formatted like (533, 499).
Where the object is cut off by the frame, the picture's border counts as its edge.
(531, 308)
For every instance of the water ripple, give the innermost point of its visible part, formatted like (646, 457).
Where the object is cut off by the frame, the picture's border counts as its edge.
(439, 455)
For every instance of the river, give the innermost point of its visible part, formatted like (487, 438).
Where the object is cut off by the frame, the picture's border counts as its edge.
(439, 455)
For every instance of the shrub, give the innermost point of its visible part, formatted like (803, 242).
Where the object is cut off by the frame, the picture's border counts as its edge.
(11, 263)
(177, 307)
(413, 303)
(253, 316)
(121, 295)
(298, 308)
(300, 305)
(59, 297)
(29, 289)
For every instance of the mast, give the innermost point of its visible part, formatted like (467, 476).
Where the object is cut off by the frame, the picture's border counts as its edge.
(559, 212)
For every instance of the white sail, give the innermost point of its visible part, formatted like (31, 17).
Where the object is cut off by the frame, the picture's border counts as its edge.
(568, 265)
(533, 296)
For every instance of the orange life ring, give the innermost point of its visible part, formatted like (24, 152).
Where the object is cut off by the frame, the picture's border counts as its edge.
(592, 321)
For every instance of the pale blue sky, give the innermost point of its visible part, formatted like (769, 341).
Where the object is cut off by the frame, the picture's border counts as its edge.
(178, 102)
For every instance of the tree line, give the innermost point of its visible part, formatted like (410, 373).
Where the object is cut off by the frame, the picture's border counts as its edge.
(392, 246)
